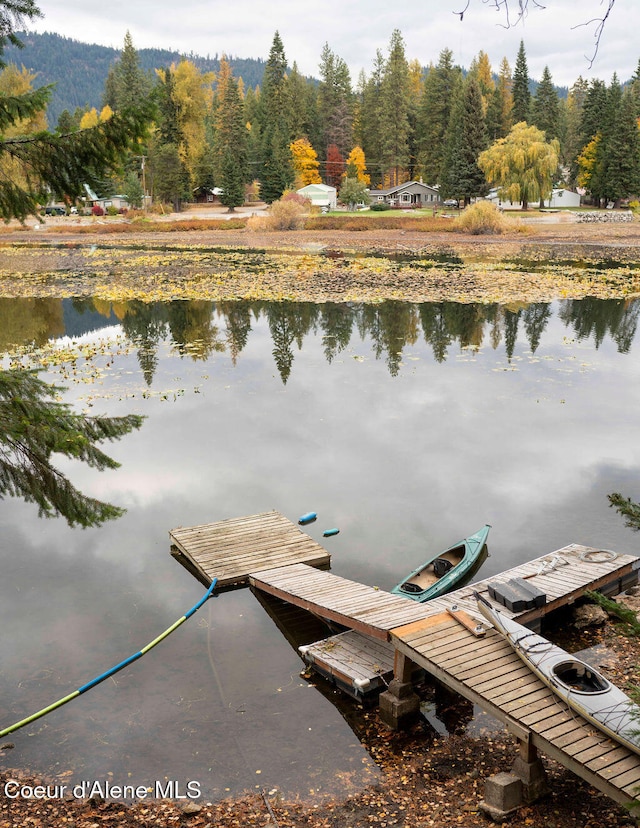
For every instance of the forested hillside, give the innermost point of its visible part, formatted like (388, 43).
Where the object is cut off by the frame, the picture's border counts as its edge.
(79, 70)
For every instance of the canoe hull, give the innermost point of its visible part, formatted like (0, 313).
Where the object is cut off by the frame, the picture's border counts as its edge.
(426, 583)
(580, 685)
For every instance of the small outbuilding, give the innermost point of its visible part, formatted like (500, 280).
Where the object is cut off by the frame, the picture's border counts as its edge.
(559, 198)
(320, 195)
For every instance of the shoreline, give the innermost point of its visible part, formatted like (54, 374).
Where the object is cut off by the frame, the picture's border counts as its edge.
(427, 781)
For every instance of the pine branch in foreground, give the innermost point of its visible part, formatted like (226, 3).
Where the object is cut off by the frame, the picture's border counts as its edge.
(62, 164)
(627, 508)
(33, 426)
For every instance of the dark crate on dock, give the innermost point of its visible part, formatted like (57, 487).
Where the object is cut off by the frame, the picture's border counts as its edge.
(517, 595)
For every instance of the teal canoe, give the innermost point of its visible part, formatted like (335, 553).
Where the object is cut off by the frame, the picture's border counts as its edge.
(444, 571)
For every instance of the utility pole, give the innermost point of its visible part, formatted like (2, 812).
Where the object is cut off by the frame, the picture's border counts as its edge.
(144, 184)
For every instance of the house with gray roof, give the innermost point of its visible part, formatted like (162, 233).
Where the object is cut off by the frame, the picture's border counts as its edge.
(409, 194)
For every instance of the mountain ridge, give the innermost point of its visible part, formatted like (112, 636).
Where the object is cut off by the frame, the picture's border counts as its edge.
(79, 69)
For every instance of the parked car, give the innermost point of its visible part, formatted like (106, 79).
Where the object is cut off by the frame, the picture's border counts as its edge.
(451, 202)
(54, 210)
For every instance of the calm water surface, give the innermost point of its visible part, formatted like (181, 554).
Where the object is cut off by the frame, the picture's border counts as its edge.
(406, 426)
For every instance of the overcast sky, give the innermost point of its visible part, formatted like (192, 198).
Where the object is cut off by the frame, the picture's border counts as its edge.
(354, 30)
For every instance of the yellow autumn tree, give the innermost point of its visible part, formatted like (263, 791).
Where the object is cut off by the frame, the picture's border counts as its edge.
(13, 83)
(481, 69)
(357, 161)
(522, 165)
(305, 163)
(91, 118)
(193, 96)
(587, 161)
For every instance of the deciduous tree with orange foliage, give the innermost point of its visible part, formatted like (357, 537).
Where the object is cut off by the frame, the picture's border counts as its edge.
(335, 166)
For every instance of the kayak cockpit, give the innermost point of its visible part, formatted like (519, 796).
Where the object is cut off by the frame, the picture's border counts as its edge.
(579, 677)
(433, 571)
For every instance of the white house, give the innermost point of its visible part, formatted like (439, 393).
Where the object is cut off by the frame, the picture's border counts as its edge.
(559, 198)
(120, 202)
(320, 195)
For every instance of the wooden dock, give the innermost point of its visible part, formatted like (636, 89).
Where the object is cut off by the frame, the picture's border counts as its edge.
(230, 550)
(489, 673)
(563, 585)
(484, 670)
(271, 554)
(348, 603)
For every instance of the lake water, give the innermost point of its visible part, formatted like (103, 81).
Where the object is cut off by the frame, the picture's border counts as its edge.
(405, 426)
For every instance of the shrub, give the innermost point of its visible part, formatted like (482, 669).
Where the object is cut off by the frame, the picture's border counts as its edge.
(296, 198)
(97, 210)
(380, 206)
(112, 211)
(479, 218)
(286, 214)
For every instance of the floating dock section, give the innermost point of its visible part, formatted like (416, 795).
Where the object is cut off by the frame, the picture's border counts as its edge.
(230, 550)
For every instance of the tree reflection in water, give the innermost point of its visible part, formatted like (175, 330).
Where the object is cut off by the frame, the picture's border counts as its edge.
(198, 328)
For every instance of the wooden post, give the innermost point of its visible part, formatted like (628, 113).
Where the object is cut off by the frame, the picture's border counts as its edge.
(529, 768)
(399, 705)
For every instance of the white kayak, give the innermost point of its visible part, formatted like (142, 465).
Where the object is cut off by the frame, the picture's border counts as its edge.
(586, 690)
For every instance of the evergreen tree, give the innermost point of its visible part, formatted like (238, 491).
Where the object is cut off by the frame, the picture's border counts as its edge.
(545, 111)
(335, 102)
(33, 427)
(600, 184)
(126, 85)
(302, 103)
(395, 103)
(635, 88)
(623, 152)
(570, 138)
(252, 118)
(231, 140)
(277, 169)
(434, 114)
(169, 118)
(370, 126)
(521, 93)
(169, 177)
(416, 86)
(466, 138)
(66, 123)
(593, 110)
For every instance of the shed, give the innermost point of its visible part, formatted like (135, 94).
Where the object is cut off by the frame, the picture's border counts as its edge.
(559, 198)
(320, 195)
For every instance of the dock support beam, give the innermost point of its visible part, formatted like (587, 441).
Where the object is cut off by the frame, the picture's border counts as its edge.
(529, 768)
(399, 705)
